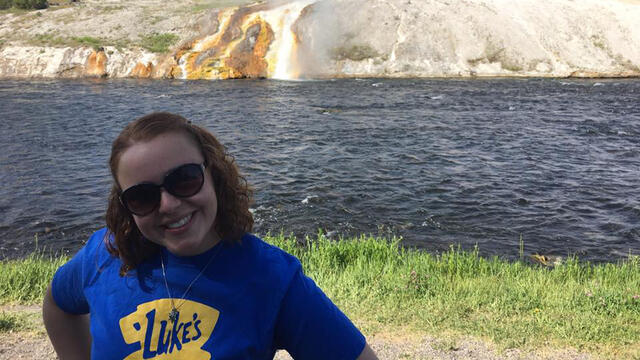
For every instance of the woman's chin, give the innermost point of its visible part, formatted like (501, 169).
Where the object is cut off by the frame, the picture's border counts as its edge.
(188, 246)
(183, 248)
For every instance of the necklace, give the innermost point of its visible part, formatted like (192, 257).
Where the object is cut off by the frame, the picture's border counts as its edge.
(175, 313)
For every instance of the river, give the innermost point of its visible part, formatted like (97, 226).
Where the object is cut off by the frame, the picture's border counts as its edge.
(438, 162)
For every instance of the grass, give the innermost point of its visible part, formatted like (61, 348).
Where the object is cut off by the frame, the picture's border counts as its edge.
(15, 11)
(590, 307)
(58, 41)
(159, 43)
(24, 281)
(13, 321)
(203, 5)
(95, 43)
(10, 322)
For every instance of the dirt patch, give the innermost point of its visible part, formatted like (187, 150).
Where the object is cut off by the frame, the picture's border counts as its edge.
(38, 347)
(25, 346)
(33, 344)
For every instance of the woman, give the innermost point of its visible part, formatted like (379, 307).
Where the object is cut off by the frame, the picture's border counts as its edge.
(176, 275)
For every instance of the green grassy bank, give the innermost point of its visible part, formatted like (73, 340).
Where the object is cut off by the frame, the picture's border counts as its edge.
(591, 307)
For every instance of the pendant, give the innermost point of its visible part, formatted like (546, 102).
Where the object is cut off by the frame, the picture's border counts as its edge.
(173, 315)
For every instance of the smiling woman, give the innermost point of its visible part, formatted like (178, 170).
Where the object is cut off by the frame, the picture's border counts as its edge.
(182, 224)
(176, 271)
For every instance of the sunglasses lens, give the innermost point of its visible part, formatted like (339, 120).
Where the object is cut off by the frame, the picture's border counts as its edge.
(185, 181)
(141, 199)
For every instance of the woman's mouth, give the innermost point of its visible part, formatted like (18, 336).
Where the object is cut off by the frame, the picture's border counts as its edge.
(180, 223)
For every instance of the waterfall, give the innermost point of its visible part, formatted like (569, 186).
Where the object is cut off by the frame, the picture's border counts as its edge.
(282, 55)
(252, 41)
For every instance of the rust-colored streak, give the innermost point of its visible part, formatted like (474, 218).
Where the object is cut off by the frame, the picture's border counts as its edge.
(175, 72)
(247, 57)
(238, 19)
(234, 30)
(142, 71)
(97, 64)
(237, 50)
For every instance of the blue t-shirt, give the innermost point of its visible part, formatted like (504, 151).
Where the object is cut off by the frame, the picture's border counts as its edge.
(251, 300)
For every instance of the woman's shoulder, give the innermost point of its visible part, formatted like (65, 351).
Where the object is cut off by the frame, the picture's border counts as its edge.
(265, 251)
(94, 253)
(97, 243)
(267, 259)
(86, 267)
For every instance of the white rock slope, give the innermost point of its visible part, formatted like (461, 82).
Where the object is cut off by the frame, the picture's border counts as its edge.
(362, 38)
(475, 37)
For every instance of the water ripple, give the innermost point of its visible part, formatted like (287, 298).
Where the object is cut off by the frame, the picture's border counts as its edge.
(434, 161)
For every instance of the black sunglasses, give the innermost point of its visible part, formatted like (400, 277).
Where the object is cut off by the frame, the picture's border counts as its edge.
(184, 181)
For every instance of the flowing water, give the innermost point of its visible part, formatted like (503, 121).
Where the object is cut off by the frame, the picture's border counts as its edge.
(438, 162)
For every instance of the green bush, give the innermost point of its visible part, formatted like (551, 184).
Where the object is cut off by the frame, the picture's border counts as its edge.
(5, 4)
(31, 4)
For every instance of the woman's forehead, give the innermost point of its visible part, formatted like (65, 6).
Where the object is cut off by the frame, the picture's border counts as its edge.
(150, 160)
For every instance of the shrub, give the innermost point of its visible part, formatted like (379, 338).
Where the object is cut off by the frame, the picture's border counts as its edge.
(31, 4)
(5, 4)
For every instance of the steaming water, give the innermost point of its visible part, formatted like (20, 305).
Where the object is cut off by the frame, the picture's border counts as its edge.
(435, 161)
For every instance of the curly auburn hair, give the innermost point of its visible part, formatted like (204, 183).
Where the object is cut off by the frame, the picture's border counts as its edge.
(233, 193)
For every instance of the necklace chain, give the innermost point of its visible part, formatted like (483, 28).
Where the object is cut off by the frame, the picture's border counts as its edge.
(173, 315)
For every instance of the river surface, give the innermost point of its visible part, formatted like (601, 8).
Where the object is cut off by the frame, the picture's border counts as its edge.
(437, 162)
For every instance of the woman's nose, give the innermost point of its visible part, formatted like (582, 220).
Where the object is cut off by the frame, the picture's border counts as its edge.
(168, 202)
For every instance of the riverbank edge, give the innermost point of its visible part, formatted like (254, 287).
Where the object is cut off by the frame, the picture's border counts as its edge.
(25, 62)
(416, 303)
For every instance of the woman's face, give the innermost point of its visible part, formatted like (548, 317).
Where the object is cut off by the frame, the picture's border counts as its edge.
(185, 226)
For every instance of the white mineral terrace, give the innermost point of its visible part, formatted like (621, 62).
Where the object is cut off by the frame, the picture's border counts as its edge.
(411, 38)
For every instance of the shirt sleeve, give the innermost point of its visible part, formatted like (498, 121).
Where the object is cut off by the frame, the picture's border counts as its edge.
(67, 286)
(310, 326)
